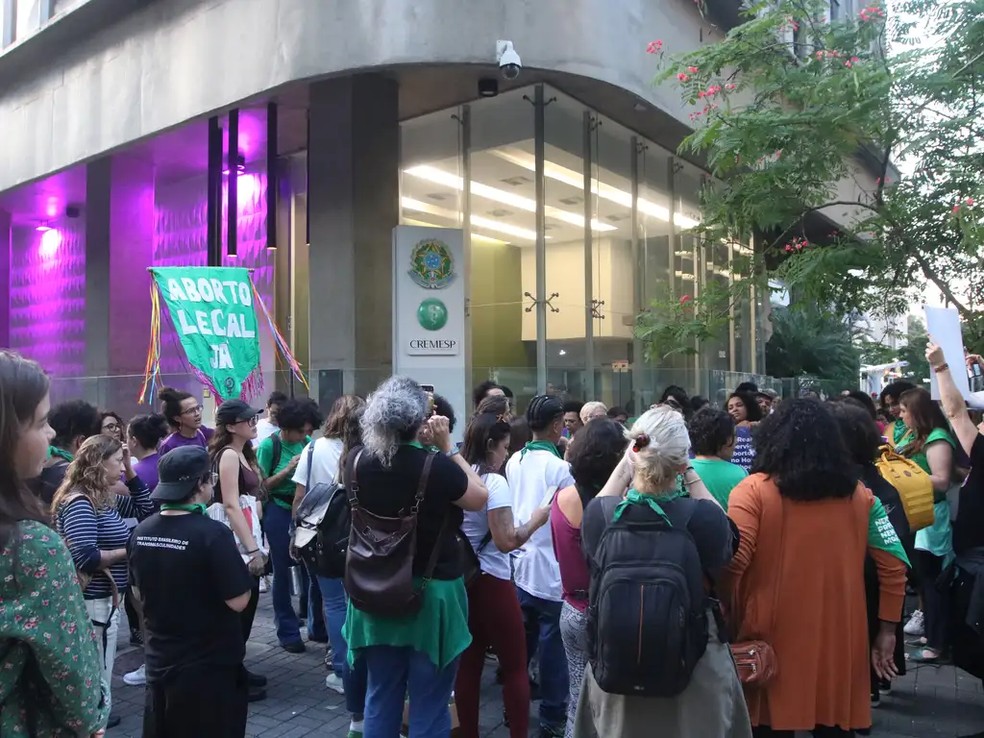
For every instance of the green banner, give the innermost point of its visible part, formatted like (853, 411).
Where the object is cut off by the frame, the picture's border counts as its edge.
(213, 313)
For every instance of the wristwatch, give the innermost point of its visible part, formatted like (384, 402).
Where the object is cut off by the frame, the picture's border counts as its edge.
(453, 452)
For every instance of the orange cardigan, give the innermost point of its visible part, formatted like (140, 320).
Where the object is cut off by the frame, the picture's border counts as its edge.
(797, 582)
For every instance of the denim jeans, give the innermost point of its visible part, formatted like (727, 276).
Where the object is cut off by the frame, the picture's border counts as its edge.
(543, 636)
(396, 672)
(276, 521)
(99, 612)
(312, 602)
(354, 678)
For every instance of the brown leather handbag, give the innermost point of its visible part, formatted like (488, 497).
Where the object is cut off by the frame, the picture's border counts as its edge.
(379, 562)
(756, 662)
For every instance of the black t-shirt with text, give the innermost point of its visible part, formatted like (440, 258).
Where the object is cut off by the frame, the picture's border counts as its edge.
(186, 567)
(968, 530)
(389, 492)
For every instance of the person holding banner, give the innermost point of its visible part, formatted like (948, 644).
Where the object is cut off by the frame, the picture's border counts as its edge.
(184, 414)
(968, 524)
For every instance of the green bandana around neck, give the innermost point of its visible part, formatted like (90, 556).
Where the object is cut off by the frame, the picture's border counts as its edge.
(635, 497)
(541, 446)
(60, 453)
(197, 507)
(882, 535)
(417, 444)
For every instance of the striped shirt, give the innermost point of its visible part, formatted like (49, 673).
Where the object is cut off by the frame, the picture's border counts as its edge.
(87, 532)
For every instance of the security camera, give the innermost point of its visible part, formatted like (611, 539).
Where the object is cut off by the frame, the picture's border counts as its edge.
(509, 62)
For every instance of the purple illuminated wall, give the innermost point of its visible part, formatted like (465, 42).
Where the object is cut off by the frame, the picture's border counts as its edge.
(179, 240)
(47, 296)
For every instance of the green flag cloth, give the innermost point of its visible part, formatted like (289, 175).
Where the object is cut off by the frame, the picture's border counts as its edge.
(213, 313)
(882, 535)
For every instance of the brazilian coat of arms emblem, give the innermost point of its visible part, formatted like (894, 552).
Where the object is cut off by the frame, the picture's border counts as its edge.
(431, 264)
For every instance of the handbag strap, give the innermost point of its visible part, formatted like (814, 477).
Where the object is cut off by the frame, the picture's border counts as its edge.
(422, 486)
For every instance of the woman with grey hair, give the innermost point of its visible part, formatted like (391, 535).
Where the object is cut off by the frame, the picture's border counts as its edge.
(643, 498)
(419, 652)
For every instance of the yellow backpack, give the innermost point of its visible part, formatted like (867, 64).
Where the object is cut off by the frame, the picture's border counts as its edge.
(913, 484)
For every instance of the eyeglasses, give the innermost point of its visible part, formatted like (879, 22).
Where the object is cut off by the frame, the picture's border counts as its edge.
(111, 426)
(253, 421)
(197, 409)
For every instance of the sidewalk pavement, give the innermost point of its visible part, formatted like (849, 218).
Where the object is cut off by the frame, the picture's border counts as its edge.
(929, 701)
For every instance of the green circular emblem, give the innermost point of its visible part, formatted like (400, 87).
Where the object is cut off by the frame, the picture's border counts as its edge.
(432, 314)
(431, 264)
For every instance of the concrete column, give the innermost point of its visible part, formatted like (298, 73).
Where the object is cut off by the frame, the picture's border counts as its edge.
(354, 206)
(98, 187)
(119, 248)
(5, 246)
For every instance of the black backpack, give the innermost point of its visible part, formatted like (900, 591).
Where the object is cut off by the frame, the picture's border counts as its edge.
(325, 553)
(647, 607)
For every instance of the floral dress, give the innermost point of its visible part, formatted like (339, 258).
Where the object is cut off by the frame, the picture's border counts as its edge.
(50, 674)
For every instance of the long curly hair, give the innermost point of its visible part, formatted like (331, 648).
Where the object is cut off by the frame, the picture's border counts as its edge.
(394, 414)
(86, 474)
(222, 438)
(801, 449)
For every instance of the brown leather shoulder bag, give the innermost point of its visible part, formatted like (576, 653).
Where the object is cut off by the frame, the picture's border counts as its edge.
(379, 562)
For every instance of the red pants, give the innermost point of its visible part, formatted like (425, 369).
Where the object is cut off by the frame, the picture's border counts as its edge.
(495, 620)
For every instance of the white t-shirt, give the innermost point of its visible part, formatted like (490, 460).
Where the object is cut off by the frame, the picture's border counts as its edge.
(475, 526)
(264, 429)
(324, 462)
(534, 477)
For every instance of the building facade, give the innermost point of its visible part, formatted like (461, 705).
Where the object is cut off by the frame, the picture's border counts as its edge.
(350, 119)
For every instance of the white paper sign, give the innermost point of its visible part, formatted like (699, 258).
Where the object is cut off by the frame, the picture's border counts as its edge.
(943, 326)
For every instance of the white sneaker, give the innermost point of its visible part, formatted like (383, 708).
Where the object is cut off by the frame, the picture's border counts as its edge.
(263, 584)
(136, 678)
(334, 682)
(916, 624)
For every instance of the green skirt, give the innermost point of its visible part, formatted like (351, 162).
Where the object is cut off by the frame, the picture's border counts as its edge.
(439, 629)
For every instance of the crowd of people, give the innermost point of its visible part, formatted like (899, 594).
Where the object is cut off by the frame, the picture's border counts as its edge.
(693, 571)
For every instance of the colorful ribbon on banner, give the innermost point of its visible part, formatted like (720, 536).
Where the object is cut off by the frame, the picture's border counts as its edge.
(152, 368)
(282, 346)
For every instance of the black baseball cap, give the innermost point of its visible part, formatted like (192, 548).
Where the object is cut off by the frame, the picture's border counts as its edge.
(180, 471)
(235, 411)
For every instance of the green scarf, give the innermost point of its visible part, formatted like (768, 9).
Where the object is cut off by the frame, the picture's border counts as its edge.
(422, 447)
(634, 497)
(882, 535)
(196, 508)
(60, 453)
(541, 446)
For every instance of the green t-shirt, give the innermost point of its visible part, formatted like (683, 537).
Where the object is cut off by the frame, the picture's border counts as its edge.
(719, 476)
(282, 494)
(937, 434)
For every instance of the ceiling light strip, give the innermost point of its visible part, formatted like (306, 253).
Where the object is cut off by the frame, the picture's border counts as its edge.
(439, 176)
(601, 189)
